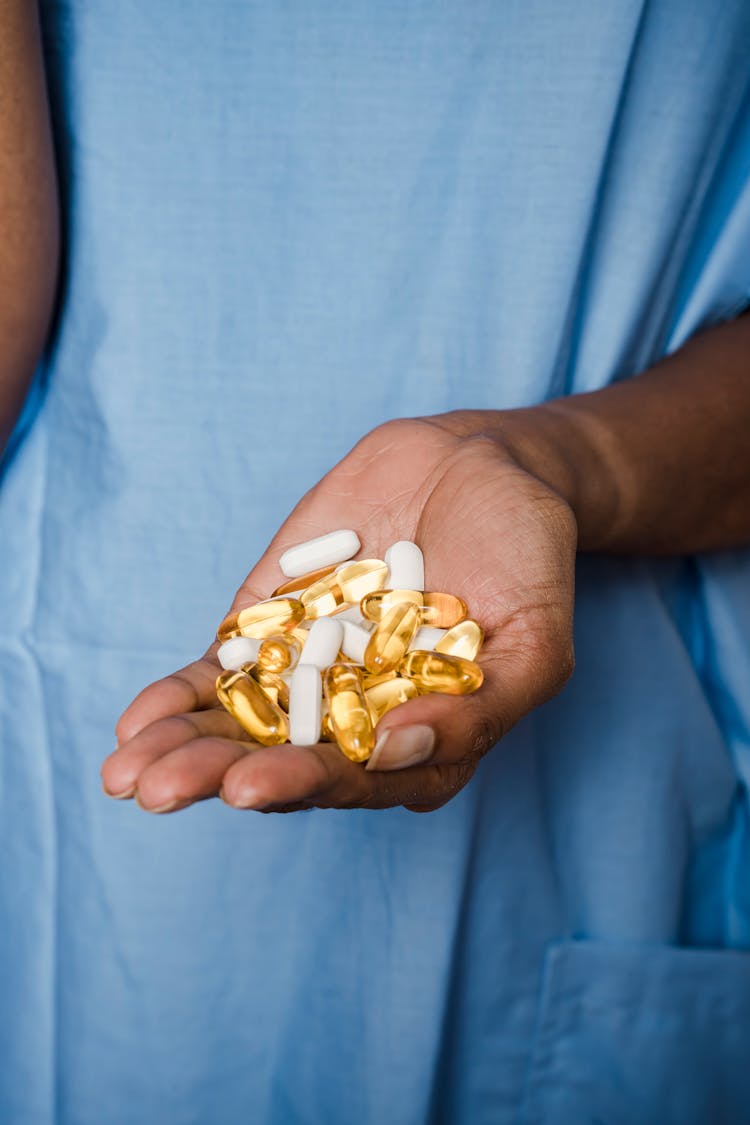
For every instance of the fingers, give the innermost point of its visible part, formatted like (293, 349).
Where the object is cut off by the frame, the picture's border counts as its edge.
(192, 688)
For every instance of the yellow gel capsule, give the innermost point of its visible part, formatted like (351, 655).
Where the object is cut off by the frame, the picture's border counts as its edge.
(292, 585)
(327, 733)
(348, 712)
(370, 680)
(443, 611)
(279, 653)
(464, 639)
(436, 671)
(384, 697)
(276, 688)
(322, 598)
(375, 606)
(244, 699)
(262, 619)
(391, 638)
(356, 579)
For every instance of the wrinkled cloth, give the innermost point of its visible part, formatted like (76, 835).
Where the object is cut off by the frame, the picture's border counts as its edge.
(284, 224)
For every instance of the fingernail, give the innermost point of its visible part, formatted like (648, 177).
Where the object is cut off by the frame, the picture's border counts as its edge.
(168, 807)
(246, 799)
(401, 747)
(122, 796)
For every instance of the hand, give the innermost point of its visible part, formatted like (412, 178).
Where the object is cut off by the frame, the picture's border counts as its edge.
(490, 531)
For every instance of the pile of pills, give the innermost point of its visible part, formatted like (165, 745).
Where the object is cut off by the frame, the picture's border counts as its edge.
(342, 642)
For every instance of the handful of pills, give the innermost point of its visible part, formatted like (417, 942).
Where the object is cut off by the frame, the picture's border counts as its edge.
(340, 644)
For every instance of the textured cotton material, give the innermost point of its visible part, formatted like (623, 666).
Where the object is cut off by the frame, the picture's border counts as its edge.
(286, 223)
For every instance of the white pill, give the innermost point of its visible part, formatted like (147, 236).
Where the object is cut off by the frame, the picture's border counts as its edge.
(323, 642)
(238, 651)
(355, 641)
(353, 614)
(426, 638)
(305, 705)
(335, 547)
(406, 565)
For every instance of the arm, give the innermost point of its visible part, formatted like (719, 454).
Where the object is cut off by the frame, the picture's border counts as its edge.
(29, 220)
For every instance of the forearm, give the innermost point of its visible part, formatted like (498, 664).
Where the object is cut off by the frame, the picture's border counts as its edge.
(29, 221)
(657, 464)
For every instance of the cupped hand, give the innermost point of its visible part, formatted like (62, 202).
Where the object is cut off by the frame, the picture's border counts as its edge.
(490, 532)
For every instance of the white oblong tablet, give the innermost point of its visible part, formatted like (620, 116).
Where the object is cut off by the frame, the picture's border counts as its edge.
(353, 614)
(238, 651)
(427, 638)
(326, 550)
(406, 566)
(305, 705)
(323, 642)
(355, 641)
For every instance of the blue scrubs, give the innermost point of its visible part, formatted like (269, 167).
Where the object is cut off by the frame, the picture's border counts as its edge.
(286, 223)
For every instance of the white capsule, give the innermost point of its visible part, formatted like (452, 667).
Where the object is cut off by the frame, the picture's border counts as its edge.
(335, 547)
(323, 642)
(426, 638)
(305, 705)
(406, 565)
(354, 642)
(238, 651)
(354, 615)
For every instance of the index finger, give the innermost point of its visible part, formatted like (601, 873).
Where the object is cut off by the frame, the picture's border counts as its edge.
(192, 688)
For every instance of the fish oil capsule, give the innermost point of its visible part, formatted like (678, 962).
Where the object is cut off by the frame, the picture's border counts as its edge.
(406, 566)
(391, 637)
(279, 653)
(355, 641)
(326, 729)
(302, 581)
(443, 610)
(275, 615)
(324, 550)
(370, 679)
(243, 698)
(237, 651)
(375, 606)
(464, 639)
(305, 704)
(362, 577)
(436, 671)
(323, 642)
(427, 638)
(382, 698)
(273, 684)
(349, 714)
(322, 598)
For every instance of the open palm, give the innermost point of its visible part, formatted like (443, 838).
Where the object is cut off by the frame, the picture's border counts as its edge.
(489, 531)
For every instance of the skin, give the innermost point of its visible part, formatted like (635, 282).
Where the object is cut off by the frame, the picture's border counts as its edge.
(29, 217)
(499, 502)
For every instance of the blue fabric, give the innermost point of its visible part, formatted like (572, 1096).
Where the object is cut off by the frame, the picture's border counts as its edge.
(285, 223)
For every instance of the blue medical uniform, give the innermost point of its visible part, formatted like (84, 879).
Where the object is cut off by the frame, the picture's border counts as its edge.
(285, 223)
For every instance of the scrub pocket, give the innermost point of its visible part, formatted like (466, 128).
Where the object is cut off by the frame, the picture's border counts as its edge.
(641, 1035)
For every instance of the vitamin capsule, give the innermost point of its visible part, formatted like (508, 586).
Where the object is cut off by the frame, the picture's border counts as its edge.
(436, 671)
(443, 610)
(243, 698)
(323, 642)
(375, 606)
(464, 639)
(326, 729)
(390, 639)
(406, 566)
(348, 711)
(370, 680)
(279, 653)
(384, 697)
(362, 577)
(277, 615)
(427, 638)
(237, 651)
(322, 598)
(273, 684)
(355, 641)
(335, 547)
(305, 705)
(302, 581)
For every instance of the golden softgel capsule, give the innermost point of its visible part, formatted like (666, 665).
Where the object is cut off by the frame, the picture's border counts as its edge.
(443, 611)
(294, 585)
(391, 638)
(274, 685)
(436, 671)
(375, 606)
(348, 713)
(464, 639)
(244, 699)
(277, 615)
(357, 579)
(383, 697)
(279, 653)
(322, 598)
